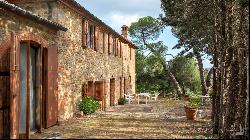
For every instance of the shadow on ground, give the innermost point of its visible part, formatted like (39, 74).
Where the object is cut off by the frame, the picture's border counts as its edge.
(162, 119)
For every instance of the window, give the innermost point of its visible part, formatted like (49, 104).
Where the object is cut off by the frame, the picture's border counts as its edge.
(117, 47)
(94, 37)
(109, 43)
(113, 45)
(120, 49)
(90, 35)
(103, 42)
(130, 53)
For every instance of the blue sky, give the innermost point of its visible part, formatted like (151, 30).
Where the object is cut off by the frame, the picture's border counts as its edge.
(116, 13)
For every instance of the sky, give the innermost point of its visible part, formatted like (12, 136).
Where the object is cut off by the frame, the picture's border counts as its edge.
(116, 13)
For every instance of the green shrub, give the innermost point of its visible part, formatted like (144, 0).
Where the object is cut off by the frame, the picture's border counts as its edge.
(122, 101)
(88, 105)
(194, 102)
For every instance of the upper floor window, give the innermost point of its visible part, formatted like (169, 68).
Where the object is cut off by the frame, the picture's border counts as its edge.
(84, 32)
(103, 42)
(117, 47)
(130, 53)
(109, 44)
(114, 46)
(90, 35)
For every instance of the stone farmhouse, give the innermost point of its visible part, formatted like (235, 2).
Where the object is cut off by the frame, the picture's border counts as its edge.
(53, 53)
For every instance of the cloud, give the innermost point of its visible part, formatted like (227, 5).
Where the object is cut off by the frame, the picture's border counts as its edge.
(119, 19)
(116, 13)
(148, 7)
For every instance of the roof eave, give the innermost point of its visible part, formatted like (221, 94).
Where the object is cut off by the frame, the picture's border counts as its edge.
(13, 8)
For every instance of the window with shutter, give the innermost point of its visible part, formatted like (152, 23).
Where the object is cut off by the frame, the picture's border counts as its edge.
(109, 43)
(84, 32)
(120, 49)
(103, 42)
(113, 45)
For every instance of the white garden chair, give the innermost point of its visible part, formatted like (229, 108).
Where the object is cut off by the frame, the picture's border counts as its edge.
(155, 96)
(129, 98)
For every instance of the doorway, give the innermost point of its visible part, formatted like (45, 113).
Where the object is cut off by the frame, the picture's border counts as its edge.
(30, 96)
(112, 92)
(125, 86)
(4, 92)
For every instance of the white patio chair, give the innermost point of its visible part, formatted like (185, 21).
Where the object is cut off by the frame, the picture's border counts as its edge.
(155, 96)
(129, 98)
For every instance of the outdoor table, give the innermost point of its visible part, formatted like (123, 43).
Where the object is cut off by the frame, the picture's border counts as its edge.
(204, 98)
(147, 95)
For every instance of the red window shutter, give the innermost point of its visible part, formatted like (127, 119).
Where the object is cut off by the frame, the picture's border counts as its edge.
(117, 46)
(97, 39)
(84, 33)
(120, 49)
(51, 96)
(85, 88)
(110, 43)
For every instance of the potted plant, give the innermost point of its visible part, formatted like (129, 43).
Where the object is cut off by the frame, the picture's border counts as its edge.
(88, 105)
(122, 101)
(186, 97)
(188, 94)
(191, 108)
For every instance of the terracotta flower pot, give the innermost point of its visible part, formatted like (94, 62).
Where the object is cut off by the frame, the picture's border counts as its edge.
(191, 113)
(186, 98)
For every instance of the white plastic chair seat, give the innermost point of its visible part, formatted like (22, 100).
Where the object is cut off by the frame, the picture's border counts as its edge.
(155, 96)
(129, 98)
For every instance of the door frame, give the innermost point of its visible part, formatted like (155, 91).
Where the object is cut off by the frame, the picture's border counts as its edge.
(36, 46)
(14, 40)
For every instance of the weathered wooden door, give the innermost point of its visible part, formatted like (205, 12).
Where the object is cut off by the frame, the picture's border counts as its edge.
(4, 91)
(99, 92)
(125, 86)
(112, 92)
(51, 95)
(30, 108)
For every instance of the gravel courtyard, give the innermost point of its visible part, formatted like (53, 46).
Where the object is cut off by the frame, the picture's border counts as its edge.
(163, 119)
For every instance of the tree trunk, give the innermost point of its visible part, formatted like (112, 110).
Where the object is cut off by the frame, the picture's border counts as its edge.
(232, 93)
(202, 77)
(241, 102)
(208, 79)
(223, 71)
(173, 79)
(247, 57)
(215, 94)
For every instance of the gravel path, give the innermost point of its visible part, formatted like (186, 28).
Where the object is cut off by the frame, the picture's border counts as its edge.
(158, 120)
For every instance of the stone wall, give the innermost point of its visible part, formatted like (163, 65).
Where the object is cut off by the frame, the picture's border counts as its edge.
(78, 65)
(17, 24)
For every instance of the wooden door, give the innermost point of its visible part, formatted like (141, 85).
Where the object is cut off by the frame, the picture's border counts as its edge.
(125, 86)
(51, 95)
(99, 91)
(112, 92)
(4, 91)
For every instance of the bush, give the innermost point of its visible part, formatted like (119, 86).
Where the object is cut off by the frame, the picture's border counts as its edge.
(88, 105)
(194, 102)
(122, 101)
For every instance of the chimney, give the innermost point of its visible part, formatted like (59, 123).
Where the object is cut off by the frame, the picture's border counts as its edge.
(125, 31)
